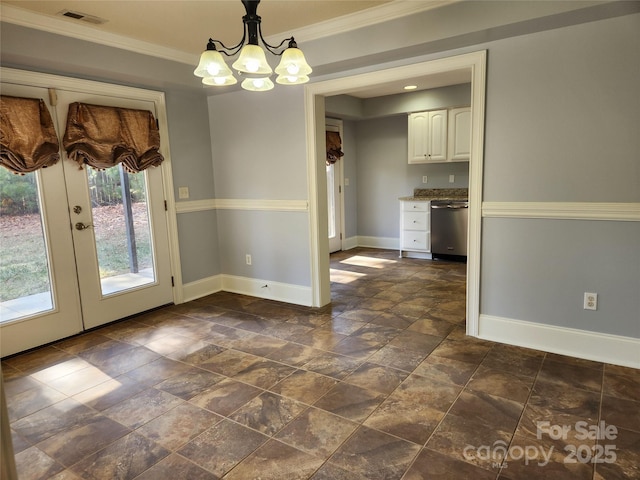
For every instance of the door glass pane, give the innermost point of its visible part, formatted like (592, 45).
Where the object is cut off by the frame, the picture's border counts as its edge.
(25, 283)
(122, 233)
(331, 199)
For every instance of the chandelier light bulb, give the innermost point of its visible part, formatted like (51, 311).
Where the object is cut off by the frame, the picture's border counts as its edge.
(252, 60)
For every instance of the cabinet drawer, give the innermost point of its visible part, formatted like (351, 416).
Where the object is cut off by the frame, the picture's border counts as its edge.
(415, 240)
(415, 206)
(415, 221)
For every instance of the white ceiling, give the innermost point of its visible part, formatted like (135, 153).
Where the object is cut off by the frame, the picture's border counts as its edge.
(179, 29)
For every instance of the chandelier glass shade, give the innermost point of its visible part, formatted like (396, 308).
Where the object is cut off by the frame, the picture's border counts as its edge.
(251, 63)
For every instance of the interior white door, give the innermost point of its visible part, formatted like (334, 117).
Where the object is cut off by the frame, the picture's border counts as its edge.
(119, 230)
(39, 297)
(334, 196)
(98, 256)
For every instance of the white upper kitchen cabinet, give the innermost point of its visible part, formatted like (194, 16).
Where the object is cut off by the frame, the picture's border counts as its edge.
(459, 141)
(428, 136)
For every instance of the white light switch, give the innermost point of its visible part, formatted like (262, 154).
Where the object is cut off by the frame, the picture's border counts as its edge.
(452, 178)
(346, 182)
(424, 179)
(183, 192)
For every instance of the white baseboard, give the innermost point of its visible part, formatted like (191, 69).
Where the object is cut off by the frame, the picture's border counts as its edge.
(379, 242)
(350, 242)
(600, 347)
(201, 288)
(281, 292)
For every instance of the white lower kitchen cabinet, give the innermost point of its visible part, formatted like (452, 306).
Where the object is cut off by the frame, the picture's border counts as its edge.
(415, 226)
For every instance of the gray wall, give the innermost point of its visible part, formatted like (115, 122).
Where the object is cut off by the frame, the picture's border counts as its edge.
(259, 152)
(562, 124)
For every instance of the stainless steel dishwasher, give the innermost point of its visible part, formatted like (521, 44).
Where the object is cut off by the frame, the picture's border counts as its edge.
(449, 221)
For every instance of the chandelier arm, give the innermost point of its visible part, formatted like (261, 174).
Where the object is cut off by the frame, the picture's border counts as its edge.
(273, 48)
(231, 51)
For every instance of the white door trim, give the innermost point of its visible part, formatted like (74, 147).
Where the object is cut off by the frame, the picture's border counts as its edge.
(315, 118)
(23, 77)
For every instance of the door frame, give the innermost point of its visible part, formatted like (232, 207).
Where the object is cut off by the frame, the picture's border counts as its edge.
(314, 121)
(337, 125)
(44, 80)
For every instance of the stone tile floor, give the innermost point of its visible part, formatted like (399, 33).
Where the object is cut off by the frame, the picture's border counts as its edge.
(381, 384)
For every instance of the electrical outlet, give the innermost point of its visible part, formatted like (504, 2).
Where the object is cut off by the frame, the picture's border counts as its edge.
(346, 182)
(247, 257)
(424, 179)
(590, 301)
(452, 178)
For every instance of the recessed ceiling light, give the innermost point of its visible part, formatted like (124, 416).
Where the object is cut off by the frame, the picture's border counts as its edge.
(410, 87)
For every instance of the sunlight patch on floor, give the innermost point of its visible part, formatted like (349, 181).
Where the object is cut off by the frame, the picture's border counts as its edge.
(344, 276)
(362, 261)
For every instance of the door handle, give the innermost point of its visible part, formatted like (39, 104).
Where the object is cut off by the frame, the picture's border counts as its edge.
(82, 226)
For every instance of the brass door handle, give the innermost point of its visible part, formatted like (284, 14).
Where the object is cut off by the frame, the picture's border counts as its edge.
(82, 226)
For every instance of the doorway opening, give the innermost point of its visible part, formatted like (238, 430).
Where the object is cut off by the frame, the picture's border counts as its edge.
(475, 63)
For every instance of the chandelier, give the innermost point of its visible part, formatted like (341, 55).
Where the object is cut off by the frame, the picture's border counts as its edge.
(252, 64)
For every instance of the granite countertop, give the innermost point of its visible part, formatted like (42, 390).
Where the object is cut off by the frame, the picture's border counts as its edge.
(426, 194)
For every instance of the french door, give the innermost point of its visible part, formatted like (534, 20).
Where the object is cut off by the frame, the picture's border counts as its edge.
(100, 238)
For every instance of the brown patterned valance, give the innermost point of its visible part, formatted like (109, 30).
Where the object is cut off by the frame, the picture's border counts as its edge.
(102, 137)
(28, 140)
(334, 147)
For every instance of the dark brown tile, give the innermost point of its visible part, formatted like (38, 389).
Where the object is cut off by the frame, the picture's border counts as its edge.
(329, 471)
(545, 459)
(419, 342)
(432, 326)
(34, 463)
(578, 362)
(621, 412)
(465, 439)
(37, 360)
(197, 353)
(376, 377)
(157, 371)
(393, 320)
(622, 386)
(80, 343)
(514, 362)
(356, 347)
(557, 397)
(179, 425)
(176, 467)
(115, 358)
(260, 345)
(350, 401)
(499, 413)
(501, 384)
(446, 370)
(332, 365)
(30, 401)
(571, 376)
(222, 447)
(375, 455)
(541, 422)
(126, 458)
(45, 423)
(304, 386)
(142, 407)
(626, 464)
(225, 397)
(230, 362)
(398, 358)
(462, 351)
(190, 383)
(432, 465)
(317, 432)
(264, 373)
(275, 461)
(268, 413)
(294, 354)
(86, 439)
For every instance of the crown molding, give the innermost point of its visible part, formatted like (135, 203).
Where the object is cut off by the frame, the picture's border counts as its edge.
(25, 18)
(364, 18)
(371, 16)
